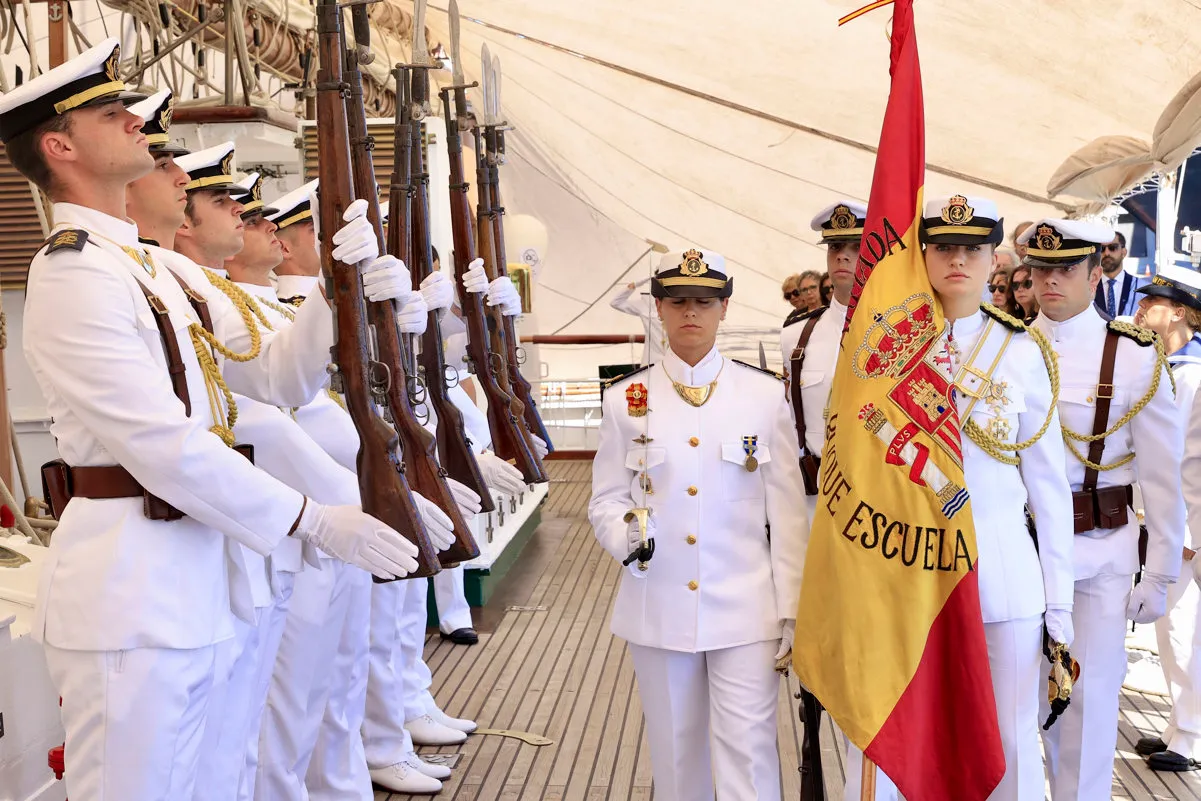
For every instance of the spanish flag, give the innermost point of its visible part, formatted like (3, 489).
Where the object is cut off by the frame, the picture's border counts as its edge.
(889, 632)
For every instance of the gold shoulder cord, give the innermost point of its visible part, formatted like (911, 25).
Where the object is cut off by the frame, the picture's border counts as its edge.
(249, 310)
(995, 447)
(1069, 435)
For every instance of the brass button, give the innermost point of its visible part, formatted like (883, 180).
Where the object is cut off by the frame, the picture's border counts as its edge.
(692, 490)
(691, 540)
(643, 566)
(693, 441)
(692, 585)
(1089, 399)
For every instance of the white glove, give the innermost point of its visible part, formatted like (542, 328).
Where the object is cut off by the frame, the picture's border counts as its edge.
(475, 279)
(438, 291)
(540, 449)
(634, 535)
(512, 308)
(503, 292)
(414, 316)
(465, 497)
(1148, 600)
(1059, 625)
(499, 474)
(386, 278)
(786, 639)
(346, 533)
(355, 241)
(438, 526)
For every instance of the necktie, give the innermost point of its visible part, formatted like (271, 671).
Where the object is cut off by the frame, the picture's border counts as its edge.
(1113, 310)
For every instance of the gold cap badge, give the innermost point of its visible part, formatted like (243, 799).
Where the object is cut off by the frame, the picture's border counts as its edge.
(957, 211)
(227, 164)
(110, 66)
(693, 263)
(1047, 238)
(842, 218)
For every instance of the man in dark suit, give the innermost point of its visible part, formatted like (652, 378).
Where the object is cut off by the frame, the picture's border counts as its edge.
(1115, 293)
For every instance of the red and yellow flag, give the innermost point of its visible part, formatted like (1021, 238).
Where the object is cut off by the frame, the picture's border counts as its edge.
(889, 632)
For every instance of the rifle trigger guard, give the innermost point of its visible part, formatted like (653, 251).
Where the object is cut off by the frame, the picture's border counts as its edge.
(496, 363)
(450, 376)
(521, 355)
(417, 391)
(380, 377)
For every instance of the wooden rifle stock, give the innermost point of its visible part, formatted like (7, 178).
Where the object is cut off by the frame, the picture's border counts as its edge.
(383, 491)
(454, 447)
(498, 324)
(420, 460)
(494, 139)
(508, 440)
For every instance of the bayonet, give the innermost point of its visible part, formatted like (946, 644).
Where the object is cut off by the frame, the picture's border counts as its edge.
(486, 86)
(456, 64)
(497, 119)
(762, 357)
(421, 53)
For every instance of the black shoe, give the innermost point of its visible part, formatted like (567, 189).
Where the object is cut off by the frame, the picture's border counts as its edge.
(1171, 761)
(1150, 745)
(469, 637)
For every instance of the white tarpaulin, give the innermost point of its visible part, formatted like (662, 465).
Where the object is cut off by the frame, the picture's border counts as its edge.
(728, 127)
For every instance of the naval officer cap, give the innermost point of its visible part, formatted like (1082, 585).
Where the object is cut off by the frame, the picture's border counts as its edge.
(961, 220)
(211, 169)
(841, 222)
(89, 79)
(253, 204)
(294, 207)
(692, 274)
(1177, 284)
(1062, 243)
(157, 110)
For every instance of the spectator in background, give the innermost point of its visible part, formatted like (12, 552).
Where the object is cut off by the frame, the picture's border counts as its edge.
(792, 292)
(999, 293)
(810, 285)
(827, 289)
(1005, 258)
(1021, 286)
(1020, 250)
(1115, 293)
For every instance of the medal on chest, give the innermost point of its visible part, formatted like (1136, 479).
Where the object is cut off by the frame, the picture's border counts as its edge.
(750, 444)
(636, 398)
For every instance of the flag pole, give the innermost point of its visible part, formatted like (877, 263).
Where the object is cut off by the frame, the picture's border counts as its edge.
(867, 785)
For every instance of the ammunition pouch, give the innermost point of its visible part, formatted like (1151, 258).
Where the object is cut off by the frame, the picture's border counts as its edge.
(1101, 507)
(61, 483)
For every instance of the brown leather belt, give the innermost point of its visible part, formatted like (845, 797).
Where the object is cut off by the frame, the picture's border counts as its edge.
(810, 463)
(61, 483)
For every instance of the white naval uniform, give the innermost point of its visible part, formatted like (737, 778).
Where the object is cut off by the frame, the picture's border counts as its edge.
(135, 606)
(309, 744)
(283, 449)
(1177, 632)
(1080, 746)
(704, 620)
(817, 375)
(1017, 582)
(640, 304)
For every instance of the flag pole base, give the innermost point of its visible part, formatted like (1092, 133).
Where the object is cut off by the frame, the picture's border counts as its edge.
(867, 785)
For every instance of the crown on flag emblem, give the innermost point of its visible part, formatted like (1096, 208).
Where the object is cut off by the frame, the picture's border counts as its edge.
(898, 335)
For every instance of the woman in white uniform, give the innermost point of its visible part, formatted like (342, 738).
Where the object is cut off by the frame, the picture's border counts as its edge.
(1012, 456)
(703, 449)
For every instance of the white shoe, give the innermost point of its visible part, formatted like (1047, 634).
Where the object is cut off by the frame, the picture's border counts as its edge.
(460, 724)
(403, 778)
(428, 768)
(427, 731)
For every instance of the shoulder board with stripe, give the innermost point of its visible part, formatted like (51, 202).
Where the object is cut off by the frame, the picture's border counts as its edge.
(611, 381)
(66, 239)
(764, 370)
(295, 300)
(1142, 336)
(1002, 317)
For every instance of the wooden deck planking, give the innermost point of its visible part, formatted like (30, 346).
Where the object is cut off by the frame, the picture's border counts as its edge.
(557, 672)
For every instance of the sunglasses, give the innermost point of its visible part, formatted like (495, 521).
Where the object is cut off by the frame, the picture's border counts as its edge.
(795, 293)
(1027, 284)
(1112, 247)
(998, 287)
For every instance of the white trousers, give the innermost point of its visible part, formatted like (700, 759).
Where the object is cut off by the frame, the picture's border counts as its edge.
(1081, 745)
(238, 697)
(711, 721)
(303, 678)
(385, 739)
(134, 720)
(1015, 662)
(338, 769)
(1179, 639)
(453, 610)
